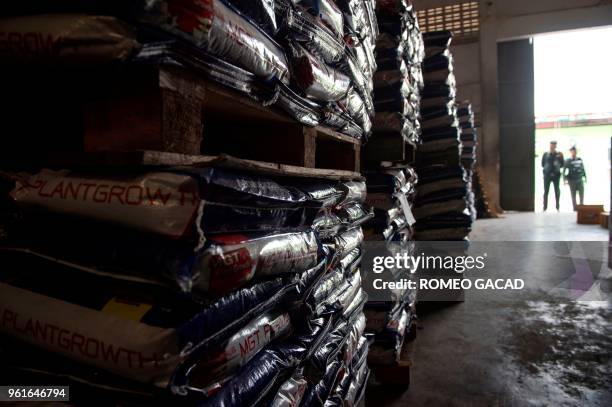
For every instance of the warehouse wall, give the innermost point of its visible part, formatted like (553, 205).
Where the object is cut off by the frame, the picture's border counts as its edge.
(476, 63)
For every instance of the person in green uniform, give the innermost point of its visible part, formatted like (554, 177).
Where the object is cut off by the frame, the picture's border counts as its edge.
(552, 164)
(574, 175)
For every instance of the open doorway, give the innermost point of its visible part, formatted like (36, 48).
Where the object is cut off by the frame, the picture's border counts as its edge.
(573, 106)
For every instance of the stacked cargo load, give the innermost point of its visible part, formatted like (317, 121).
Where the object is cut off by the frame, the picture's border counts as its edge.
(442, 206)
(391, 193)
(469, 143)
(313, 59)
(209, 285)
(399, 79)
(391, 179)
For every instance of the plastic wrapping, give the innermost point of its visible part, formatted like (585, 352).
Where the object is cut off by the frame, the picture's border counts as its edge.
(396, 124)
(351, 261)
(173, 51)
(334, 292)
(260, 11)
(226, 262)
(323, 297)
(135, 330)
(317, 80)
(66, 39)
(355, 15)
(353, 214)
(327, 224)
(354, 191)
(441, 62)
(300, 27)
(232, 260)
(354, 105)
(218, 364)
(328, 351)
(303, 110)
(169, 203)
(271, 367)
(356, 389)
(317, 395)
(391, 85)
(390, 53)
(348, 241)
(290, 394)
(338, 119)
(325, 194)
(360, 78)
(357, 328)
(218, 28)
(327, 12)
(357, 302)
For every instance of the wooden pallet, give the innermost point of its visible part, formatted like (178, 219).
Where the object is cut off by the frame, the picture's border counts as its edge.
(162, 108)
(147, 158)
(172, 109)
(398, 374)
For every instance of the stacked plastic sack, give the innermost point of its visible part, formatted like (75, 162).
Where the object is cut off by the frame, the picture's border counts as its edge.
(399, 80)
(468, 146)
(441, 207)
(207, 285)
(391, 192)
(313, 59)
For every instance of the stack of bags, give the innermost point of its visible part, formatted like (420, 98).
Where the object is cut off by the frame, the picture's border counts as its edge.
(390, 319)
(392, 186)
(468, 136)
(399, 79)
(389, 314)
(468, 145)
(442, 206)
(312, 58)
(210, 285)
(330, 47)
(391, 193)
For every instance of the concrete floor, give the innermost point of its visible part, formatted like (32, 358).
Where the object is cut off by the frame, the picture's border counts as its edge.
(529, 226)
(531, 347)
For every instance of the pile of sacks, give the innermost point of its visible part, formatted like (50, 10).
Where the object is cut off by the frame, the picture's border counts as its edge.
(313, 59)
(390, 313)
(391, 316)
(468, 138)
(468, 146)
(208, 285)
(391, 194)
(399, 79)
(442, 207)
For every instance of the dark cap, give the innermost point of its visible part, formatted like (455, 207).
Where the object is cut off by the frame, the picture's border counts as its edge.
(553, 142)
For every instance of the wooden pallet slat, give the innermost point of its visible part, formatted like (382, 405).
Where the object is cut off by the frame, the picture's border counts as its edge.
(174, 110)
(147, 158)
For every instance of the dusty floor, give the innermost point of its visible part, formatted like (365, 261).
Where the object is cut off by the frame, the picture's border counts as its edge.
(535, 347)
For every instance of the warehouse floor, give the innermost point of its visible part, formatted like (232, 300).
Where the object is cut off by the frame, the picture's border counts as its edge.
(509, 349)
(529, 226)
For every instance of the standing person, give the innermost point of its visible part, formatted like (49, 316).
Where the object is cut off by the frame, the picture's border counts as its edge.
(552, 163)
(574, 174)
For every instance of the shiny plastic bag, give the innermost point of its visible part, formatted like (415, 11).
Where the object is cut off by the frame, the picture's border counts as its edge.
(260, 11)
(220, 29)
(317, 80)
